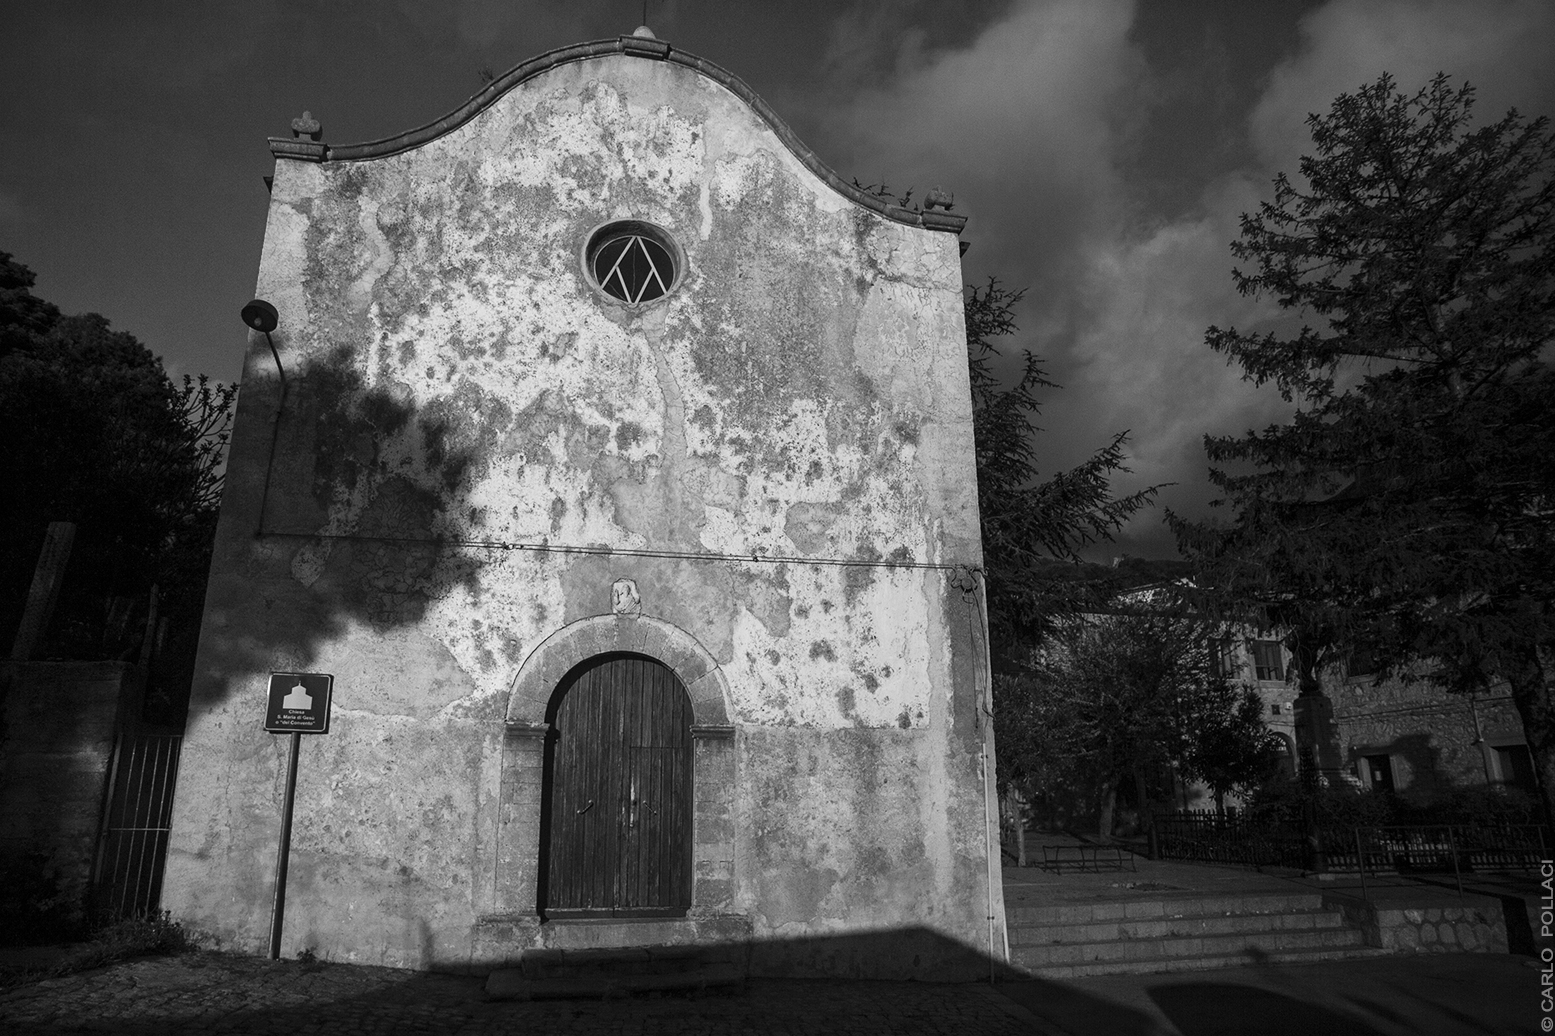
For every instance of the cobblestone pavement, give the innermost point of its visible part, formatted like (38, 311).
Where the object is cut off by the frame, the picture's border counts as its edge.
(216, 993)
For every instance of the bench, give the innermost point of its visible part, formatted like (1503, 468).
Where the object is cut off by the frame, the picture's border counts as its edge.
(1094, 857)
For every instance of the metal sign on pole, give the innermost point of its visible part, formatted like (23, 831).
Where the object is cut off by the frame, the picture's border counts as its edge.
(298, 704)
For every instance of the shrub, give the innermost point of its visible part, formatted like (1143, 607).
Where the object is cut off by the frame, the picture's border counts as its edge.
(1284, 801)
(138, 936)
(1471, 806)
(148, 935)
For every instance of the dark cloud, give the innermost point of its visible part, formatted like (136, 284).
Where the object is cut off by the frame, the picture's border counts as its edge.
(1103, 151)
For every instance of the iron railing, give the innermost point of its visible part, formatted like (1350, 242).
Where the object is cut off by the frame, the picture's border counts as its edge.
(1228, 838)
(132, 846)
(1484, 845)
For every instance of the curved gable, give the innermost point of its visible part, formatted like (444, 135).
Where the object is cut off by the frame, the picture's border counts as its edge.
(643, 47)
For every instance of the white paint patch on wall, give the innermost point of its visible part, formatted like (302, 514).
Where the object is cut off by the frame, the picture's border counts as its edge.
(851, 656)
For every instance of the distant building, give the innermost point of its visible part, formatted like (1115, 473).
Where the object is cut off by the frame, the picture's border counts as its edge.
(622, 476)
(1261, 663)
(1404, 735)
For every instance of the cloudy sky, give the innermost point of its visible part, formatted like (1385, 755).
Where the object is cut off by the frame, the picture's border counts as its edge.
(1102, 151)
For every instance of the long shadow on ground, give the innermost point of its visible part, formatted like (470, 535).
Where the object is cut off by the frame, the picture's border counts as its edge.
(1218, 1009)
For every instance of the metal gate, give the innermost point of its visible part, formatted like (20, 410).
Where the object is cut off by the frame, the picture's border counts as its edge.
(620, 772)
(132, 846)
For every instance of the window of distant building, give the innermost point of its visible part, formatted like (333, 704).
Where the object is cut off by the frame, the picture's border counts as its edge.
(1268, 663)
(1223, 661)
(1362, 661)
(1379, 772)
(633, 261)
(1515, 766)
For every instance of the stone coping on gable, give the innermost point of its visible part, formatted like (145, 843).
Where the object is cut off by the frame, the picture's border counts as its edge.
(632, 46)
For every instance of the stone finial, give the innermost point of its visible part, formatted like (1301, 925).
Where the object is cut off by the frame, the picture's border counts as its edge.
(624, 598)
(307, 126)
(645, 32)
(938, 199)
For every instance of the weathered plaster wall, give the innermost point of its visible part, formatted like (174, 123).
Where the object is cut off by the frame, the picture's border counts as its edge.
(452, 375)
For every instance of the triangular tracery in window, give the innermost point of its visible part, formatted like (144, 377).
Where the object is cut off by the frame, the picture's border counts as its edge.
(634, 268)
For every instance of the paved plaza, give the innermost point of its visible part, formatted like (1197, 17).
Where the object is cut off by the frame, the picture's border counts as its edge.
(1438, 995)
(212, 993)
(1479, 994)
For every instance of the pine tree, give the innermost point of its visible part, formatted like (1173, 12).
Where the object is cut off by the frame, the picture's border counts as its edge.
(1407, 504)
(1027, 522)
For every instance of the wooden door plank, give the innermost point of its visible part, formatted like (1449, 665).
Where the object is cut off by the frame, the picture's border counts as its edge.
(623, 730)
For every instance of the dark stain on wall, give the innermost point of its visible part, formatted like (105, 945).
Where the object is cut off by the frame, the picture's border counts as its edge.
(858, 578)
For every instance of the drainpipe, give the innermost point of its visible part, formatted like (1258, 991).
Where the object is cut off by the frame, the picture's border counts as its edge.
(1479, 739)
(971, 585)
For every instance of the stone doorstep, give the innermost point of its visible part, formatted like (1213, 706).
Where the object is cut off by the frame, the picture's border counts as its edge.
(1170, 964)
(1199, 906)
(505, 942)
(1217, 924)
(512, 984)
(607, 963)
(1277, 941)
(599, 955)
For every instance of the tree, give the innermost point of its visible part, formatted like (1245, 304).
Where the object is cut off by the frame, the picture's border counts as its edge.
(1232, 749)
(1407, 504)
(23, 316)
(97, 434)
(1129, 698)
(1026, 522)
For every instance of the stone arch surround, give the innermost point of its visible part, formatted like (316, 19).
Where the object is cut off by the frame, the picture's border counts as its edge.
(577, 641)
(518, 845)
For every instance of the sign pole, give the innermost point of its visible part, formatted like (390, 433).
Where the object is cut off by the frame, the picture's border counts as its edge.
(298, 704)
(283, 851)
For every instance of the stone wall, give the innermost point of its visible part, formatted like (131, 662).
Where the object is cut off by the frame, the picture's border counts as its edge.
(58, 726)
(1434, 924)
(1430, 735)
(1435, 740)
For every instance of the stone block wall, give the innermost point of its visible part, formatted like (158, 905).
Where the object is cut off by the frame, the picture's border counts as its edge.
(1470, 924)
(1430, 735)
(59, 720)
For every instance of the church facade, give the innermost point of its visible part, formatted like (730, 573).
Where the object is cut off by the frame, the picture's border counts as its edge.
(615, 457)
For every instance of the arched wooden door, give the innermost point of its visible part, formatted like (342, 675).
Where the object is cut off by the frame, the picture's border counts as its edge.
(618, 833)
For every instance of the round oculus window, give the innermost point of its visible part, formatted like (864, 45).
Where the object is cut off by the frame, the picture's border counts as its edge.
(632, 261)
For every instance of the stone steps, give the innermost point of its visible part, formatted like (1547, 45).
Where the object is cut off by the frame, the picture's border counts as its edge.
(1173, 906)
(1171, 927)
(1179, 934)
(1175, 964)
